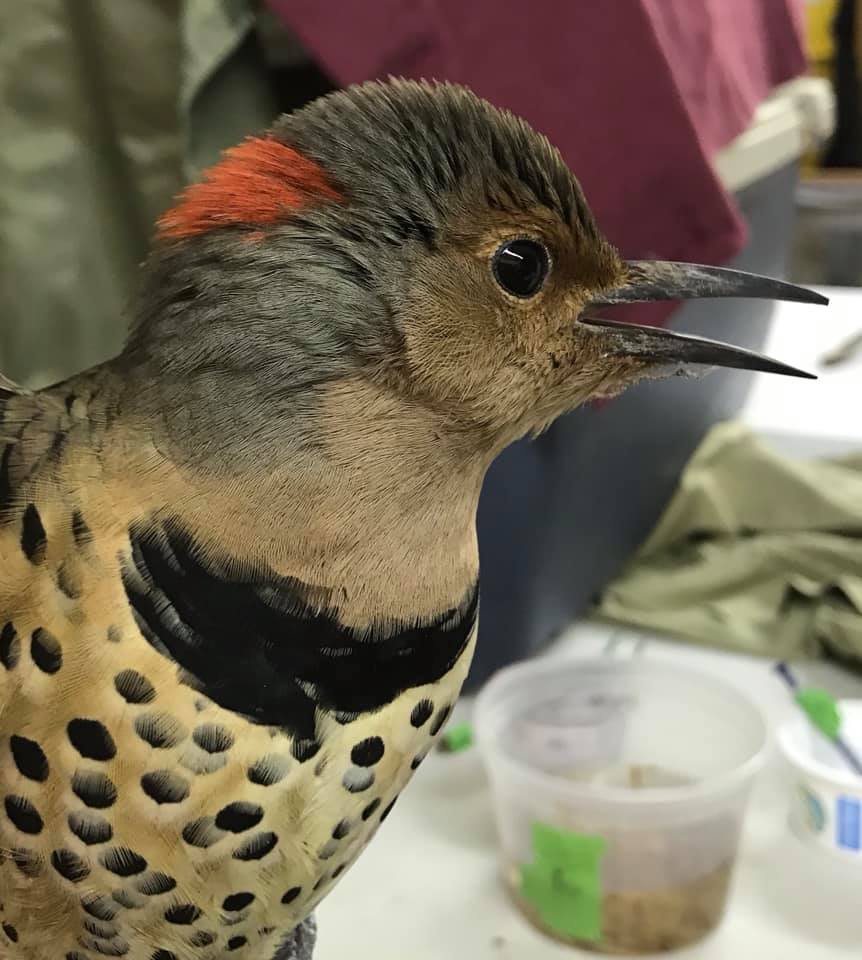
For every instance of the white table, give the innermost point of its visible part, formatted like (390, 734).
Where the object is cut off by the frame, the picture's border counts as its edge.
(815, 414)
(428, 887)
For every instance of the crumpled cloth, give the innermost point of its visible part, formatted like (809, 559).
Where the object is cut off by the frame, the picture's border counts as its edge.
(756, 553)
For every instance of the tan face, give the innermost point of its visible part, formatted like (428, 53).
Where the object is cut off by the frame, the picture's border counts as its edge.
(492, 320)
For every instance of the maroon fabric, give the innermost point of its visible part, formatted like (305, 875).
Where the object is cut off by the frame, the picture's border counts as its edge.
(637, 94)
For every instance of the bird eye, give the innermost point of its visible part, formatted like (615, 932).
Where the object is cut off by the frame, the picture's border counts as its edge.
(521, 266)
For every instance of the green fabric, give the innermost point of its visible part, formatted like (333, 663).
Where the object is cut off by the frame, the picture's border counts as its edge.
(755, 553)
(109, 106)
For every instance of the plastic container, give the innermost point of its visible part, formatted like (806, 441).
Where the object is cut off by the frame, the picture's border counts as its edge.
(826, 811)
(619, 792)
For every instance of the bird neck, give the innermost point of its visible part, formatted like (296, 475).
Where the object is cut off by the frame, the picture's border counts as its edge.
(365, 498)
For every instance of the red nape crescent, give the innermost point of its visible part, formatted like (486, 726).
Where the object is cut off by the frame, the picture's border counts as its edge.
(258, 183)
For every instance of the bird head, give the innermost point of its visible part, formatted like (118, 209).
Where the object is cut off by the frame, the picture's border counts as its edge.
(415, 238)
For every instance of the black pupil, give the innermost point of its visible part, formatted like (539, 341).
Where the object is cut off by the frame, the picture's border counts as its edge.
(520, 267)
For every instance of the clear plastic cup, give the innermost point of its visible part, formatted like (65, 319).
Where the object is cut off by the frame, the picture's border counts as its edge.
(619, 791)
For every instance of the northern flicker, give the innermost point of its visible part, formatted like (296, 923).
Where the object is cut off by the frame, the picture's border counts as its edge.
(238, 562)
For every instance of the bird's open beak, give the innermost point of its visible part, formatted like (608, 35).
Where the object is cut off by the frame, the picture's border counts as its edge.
(648, 280)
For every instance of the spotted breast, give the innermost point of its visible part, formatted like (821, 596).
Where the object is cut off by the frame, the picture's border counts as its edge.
(192, 752)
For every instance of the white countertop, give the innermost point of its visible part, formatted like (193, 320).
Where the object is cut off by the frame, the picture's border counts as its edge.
(831, 408)
(428, 886)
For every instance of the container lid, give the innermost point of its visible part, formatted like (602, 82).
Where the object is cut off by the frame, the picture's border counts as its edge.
(807, 749)
(528, 689)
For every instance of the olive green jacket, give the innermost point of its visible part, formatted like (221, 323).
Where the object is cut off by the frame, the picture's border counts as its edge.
(757, 552)
(106, 108)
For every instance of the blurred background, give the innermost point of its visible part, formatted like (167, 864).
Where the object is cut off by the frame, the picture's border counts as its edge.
(714, 131)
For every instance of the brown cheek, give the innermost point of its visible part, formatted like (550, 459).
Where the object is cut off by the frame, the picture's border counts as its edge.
(456, 338)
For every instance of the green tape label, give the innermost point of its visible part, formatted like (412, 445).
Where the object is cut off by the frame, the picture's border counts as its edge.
(563, 883)
(458, 738)
(822, 710)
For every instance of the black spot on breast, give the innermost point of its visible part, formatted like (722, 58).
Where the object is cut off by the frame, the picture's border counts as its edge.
(182, 914)
(114, 634)
(107, 948)
(160, 730)
(303, 750)
(164, 786)
(127, 899)
(91, 739)
(90, 828)
(28, 862)
(191, 611)
(104, 931)
(212, 738)
(236, 942)
(46, 651)
(270, 769)
(23, 814)
(239, 816)
(388, 810)
(74, 955)
(80, 531)
(10, 932)
(338, 871)
(199, 762)
(123, 862)
(203, 938)
(29, 758)
(370, 810)
(134, 687)
(34, 540)
(421, 713)
(10, 646)
(155, 884)
(237, 901)
(357, 779)
(328, 850)
(291, 895)
(69, 865)
(202, 832)
(416, 762)
(257, 847)
(94, 789)
(68, 582)
(440, 720)
(163, 955)
(99, 907)
(341, 829)
(367, 752)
